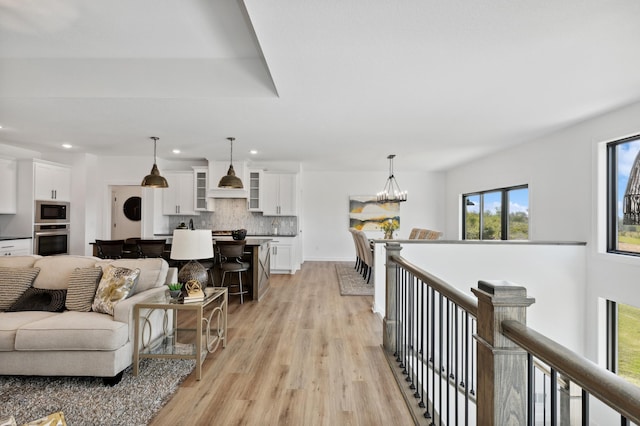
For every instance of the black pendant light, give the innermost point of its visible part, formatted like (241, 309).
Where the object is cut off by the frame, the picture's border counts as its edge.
(153, 179)
(230, 180)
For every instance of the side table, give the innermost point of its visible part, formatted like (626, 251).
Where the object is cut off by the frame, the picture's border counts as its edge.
(210, 317)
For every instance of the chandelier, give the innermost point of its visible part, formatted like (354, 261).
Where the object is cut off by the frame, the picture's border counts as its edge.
(391, 192)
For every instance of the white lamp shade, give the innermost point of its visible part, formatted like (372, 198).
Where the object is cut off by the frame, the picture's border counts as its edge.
(190, 244)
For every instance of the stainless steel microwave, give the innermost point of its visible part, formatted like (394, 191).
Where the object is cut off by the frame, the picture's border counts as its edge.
(51, 212)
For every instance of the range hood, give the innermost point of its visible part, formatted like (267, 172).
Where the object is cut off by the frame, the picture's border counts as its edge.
(218, 169)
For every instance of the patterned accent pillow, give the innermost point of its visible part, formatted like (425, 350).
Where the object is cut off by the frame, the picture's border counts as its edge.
(116, 285)
(83, 283)
(14, 282)
(40, 299)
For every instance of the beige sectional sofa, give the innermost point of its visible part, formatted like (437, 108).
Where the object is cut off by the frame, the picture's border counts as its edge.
(71, 342)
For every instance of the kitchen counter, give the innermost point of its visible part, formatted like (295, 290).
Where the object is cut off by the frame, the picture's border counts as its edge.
(14, 238)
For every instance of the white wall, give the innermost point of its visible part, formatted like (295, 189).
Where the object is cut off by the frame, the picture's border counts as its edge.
(562, 171)
(325, 208)
(551, 273)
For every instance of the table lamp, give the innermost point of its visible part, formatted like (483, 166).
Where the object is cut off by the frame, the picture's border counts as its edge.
(192, 245)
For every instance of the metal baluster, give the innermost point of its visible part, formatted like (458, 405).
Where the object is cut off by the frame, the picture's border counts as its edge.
(425, 356)
(466, 367)
(411, 347)
(448, 364)
(585, 408)
(433, 350)
(553, 388)
(456, 356)
(419, 324)
(531, 390)
(440, 321)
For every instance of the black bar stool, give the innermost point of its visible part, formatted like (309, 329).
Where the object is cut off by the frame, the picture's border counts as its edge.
(231, 253)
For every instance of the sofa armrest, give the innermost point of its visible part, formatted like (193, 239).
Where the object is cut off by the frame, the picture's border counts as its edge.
(123, 311)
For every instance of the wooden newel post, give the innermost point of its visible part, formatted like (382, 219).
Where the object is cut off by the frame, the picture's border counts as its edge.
(502, 365)
(390, 314)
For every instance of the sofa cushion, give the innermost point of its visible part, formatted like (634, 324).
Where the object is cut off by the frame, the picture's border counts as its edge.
(19, 261)
(83, 283)
(72, 331)
(56, 270)
(10, 322)
(116, 284)
(39, 299)
(153, 271)
(13, 283)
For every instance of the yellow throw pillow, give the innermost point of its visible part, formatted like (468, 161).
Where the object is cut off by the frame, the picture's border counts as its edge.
(116, 285)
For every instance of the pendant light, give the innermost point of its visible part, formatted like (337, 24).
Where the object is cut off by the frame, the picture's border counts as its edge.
(230, 180)
(391, 192)
(153, 179)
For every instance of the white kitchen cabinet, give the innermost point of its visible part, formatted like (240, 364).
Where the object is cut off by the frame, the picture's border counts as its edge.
(279, 194)
(254, 200)
(21, 247)
(8, 189)
(200, 187)
(281, 255)
(178, 198)
(52, 181)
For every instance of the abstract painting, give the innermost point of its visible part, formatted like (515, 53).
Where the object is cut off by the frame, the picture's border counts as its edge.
(366, 214)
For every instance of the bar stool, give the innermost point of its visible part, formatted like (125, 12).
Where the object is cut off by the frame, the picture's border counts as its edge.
(110, 249)
(231, 262)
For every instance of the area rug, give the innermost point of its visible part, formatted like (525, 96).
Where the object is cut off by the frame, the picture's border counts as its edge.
(351, 282)
(87, 401)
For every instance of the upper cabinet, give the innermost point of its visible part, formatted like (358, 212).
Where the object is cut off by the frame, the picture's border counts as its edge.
(8, 192)
(254, 200)
(52, 181)
(200, 186)
(279, 194)
(179, 197)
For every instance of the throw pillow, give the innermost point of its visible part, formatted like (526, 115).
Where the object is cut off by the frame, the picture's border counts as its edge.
(116, 285)
(39, 299)
(83, 283)
(14, 282)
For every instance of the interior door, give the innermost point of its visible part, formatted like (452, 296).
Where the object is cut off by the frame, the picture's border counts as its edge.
(126, 205)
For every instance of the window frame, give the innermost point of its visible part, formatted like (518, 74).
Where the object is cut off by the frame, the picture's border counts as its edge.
(504, 213)
(611, 196)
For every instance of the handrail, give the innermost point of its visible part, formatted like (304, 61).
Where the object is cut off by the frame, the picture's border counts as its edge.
(611, 389)
(461, 299)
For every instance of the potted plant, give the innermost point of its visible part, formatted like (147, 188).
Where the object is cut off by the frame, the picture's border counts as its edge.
(388, 227)
(175, 289)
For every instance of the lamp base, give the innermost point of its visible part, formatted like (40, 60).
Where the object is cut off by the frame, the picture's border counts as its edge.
(193, 270)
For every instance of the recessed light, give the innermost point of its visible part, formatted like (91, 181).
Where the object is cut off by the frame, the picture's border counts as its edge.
(176, 151)
(253, 152)
(67, 146)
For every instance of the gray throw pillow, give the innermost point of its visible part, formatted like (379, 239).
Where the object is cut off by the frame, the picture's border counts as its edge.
(13, 283)
(83, 283)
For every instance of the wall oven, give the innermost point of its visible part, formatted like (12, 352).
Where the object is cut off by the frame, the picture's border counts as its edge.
(50, 239)
(51, 212)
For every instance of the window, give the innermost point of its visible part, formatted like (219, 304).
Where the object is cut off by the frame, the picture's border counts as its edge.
(497, 214)
(623, 196)
(623, 344)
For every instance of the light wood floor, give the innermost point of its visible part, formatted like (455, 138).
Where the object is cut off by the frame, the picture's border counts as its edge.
(303, 355)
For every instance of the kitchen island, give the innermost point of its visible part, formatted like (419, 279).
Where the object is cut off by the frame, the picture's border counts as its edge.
(258, 254)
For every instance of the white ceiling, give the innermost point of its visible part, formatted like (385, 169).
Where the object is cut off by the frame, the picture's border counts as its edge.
(335, 84)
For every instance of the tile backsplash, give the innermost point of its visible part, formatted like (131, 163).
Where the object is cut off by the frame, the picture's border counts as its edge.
(232, 213)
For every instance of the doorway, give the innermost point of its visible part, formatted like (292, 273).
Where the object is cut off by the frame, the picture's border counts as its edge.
(126, 212)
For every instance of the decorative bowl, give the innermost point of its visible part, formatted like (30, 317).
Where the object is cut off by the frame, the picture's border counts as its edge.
(239, 234)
